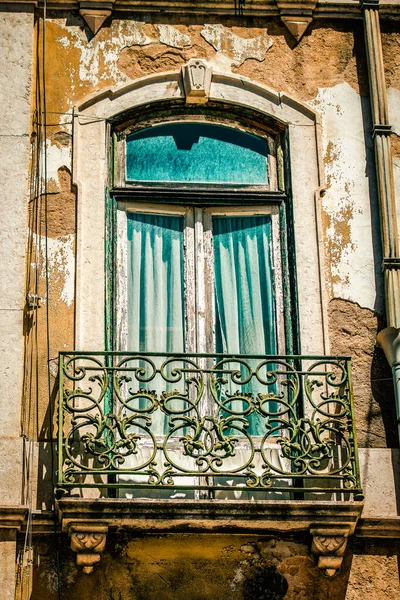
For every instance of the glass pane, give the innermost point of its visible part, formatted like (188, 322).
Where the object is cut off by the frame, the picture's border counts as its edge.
(245, 317)
(196, 153)
(155, 283)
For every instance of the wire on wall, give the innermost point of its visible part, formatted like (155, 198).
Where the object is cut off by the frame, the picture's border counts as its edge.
(37, 311)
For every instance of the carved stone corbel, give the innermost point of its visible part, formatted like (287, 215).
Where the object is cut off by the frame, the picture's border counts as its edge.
(296, 15)
(329, 544)
(88, 540)
(95, 13)
(196, 75)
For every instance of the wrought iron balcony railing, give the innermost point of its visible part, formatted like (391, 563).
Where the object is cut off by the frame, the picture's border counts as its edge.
(216, 426)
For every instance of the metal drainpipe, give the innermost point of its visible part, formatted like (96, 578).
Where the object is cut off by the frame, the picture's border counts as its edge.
(388, 338)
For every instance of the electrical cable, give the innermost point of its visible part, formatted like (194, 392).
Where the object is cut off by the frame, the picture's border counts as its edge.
(51, 411)
(36, 264)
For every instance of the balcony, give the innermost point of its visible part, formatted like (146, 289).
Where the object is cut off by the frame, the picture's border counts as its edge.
(207, 442)
(201, 426)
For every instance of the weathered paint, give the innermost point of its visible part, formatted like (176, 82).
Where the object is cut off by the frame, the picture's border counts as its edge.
(327, 68)
(236, 47)
(61, 267)
(171, 36)
(57, 156)
(352, 268)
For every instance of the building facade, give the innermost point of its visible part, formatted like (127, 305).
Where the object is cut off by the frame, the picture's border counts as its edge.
(201, 300)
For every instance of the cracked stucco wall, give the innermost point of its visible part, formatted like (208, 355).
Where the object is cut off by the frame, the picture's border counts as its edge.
(16, 37)
(326, 69)
(229, 567)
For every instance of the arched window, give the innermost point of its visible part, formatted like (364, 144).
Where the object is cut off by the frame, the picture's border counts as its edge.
(202, 204)
(199, 266)
(200, 240)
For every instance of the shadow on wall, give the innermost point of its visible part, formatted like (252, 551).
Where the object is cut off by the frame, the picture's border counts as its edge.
(266, 584)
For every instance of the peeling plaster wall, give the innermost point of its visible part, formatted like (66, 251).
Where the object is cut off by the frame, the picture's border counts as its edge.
(16, 37)
(326, 69)
(353, 268)
(240, 567)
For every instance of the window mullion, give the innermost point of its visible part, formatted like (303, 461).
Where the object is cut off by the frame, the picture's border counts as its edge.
(189, 282)
(200, 301)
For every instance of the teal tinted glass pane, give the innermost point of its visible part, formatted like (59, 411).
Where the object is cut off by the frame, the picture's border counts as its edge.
(244, 285)
(245, 309)
(196, 153)
(155, 283)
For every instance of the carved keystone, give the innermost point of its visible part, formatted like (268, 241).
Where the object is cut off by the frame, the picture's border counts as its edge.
(95, 13)
(329, 544)
(88, 541)
(196, 75)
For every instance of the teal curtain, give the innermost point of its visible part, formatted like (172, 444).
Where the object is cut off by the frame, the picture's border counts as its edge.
(244, 293)
(155, 283)
(155, 290)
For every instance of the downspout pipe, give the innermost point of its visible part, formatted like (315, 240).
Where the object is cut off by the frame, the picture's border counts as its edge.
(388, 338)
(389, 341)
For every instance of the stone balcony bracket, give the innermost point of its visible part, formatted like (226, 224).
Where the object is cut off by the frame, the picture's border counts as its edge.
(328, 546)
(296, 15)
(95, 13)
(87, 522)
(88, 540)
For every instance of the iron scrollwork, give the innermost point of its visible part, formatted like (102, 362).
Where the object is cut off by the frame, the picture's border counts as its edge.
(263, 424)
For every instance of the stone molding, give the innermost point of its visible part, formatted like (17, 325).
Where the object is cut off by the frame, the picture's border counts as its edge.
(88, 540)
(95, 13)
(285, 516)
(344, 9)
(379, 528)
(12, 517)
(296, 15)
(328, 545)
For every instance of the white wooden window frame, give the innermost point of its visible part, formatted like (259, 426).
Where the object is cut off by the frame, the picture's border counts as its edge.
(91, 172)
(199, 303)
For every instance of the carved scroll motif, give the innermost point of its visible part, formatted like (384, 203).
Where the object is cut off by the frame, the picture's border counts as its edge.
(329, 544)
(88, 541)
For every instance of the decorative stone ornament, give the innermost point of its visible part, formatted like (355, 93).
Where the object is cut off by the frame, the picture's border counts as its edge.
(196, 75)
(296, 15)
(88, 540)
(95, 13)
(329, 544)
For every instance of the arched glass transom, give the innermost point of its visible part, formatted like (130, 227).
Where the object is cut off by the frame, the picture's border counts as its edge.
(196, 153)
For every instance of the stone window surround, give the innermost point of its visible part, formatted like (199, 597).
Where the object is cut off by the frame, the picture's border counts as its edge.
(90, 175)
(87, 521)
